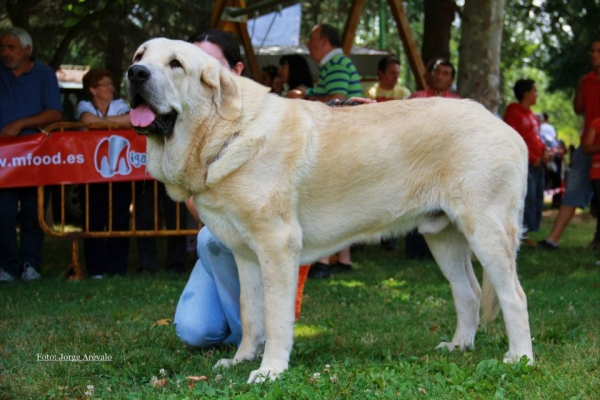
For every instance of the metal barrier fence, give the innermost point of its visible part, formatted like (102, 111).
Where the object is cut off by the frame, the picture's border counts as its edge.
(75, 232)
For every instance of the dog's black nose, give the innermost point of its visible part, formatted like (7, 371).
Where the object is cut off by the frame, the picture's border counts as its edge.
(138, 73)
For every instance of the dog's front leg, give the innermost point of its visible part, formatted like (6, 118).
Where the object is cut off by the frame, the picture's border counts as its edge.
(279, 263)
(251, 309)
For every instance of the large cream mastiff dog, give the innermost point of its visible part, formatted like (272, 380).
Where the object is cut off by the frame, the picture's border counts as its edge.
(283, 182)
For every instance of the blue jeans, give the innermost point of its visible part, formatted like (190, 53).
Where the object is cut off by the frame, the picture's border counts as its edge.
(534, 200)
(208, 312)
(31, 235)
(578, 191)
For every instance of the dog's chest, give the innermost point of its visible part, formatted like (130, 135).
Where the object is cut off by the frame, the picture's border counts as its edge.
(223, 225)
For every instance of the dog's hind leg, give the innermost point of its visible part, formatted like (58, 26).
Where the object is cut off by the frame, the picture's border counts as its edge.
(495, 242)
(251, 310)
(451, 251)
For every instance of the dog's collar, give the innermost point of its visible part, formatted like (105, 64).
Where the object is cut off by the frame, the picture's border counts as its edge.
(225, 146)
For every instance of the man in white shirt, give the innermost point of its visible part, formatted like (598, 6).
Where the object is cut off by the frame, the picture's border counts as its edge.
(547, 131)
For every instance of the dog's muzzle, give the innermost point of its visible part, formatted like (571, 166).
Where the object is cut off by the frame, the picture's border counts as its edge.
(143, 118)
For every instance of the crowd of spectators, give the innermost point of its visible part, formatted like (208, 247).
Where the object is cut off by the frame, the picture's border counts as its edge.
(35, 101)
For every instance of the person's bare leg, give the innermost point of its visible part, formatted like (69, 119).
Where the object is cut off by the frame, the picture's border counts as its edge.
(344, 256)
(564, 216)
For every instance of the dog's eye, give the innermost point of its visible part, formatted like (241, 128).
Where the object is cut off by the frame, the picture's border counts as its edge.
(137, 57)
(175, 64)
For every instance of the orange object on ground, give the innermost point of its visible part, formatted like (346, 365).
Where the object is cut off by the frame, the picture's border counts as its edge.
(302, 274)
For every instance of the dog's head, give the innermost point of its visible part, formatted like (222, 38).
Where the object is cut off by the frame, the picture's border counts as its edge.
(178, 93)
(168, 78)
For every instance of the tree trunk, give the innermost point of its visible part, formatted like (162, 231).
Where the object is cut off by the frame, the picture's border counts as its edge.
(479, 66)
(437, 26)
(113, 52)
(18, 11)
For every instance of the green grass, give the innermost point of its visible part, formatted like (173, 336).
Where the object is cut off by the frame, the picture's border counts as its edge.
(367, 335)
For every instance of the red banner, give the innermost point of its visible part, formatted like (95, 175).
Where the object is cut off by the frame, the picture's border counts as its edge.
(72, 157)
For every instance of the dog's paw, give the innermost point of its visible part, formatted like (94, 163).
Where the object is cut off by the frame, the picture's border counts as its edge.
(510, 358)
(451, 346)
(261, 375)
(226, 363)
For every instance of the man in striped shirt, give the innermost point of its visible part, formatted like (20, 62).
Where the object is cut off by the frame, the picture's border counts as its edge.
(338, 78)
(338, 81)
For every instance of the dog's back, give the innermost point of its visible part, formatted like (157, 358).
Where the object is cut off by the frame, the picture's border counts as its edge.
(386, 168)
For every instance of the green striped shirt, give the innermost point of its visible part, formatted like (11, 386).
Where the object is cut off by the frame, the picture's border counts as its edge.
(338, 75)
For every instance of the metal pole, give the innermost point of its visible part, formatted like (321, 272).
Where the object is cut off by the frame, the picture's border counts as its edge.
(382, 25)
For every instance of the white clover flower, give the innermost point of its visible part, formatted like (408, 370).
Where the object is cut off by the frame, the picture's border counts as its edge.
(316, 375)
(334, 378)
(162, 372)
(153, 379)
(90, 391)
(218, 377)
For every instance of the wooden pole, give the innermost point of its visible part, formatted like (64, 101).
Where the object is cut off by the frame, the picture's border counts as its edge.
(410, 46)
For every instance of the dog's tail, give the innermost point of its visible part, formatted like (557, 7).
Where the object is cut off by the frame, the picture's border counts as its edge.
(490, 304)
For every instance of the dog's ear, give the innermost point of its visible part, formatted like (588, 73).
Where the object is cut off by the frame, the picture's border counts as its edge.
(227, 95)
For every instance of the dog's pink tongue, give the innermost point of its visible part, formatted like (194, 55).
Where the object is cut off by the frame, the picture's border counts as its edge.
(141, 116)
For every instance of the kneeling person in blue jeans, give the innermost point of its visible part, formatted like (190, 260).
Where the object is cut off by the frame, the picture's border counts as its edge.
(208, 312)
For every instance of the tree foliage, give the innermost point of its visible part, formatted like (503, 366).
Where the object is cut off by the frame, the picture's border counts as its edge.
(552, 35)
(547, 37)
(102, 32)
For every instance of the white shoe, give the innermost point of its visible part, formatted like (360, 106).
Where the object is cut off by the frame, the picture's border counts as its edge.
(29, 273)
(5, 276)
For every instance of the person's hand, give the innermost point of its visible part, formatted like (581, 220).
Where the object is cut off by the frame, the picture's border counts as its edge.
(12, 129)
(557, 151)
(295, 94)
(362, 100)
(546, 157)
(189, 203)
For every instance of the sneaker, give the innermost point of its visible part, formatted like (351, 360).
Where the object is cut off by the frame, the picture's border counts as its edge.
(548, 244)
(29, 273)
(319, 270)
(593, 245)
(528, 242)
(339, 267)
(5, 276)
